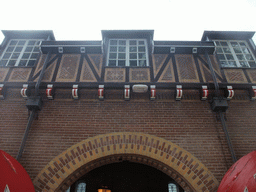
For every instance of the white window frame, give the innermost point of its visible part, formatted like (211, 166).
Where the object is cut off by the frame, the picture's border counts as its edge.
(235, 62)
(22, 52)
(127, 52)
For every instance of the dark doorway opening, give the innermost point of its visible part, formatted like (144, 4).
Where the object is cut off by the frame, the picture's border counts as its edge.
(126, 177)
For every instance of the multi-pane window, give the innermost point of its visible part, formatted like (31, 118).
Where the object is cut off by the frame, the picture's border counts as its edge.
(234, 54)
(127, 52)
(20, 52)
(81, 187)
(172, 187)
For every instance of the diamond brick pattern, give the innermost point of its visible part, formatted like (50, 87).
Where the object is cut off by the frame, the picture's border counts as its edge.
(20, 74)
(186, 68)
(96, 60)
(235, 76)
(139, 75)
(68, 68)
(214, 64)
(168, 73)
(41, 62)
(3, 73)
(206, 73)
(252, 75)
(115, 75)
(87, 74)
(94, 152)
(158, 61)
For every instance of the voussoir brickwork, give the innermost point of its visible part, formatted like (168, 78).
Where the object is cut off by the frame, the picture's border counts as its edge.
(94, 152)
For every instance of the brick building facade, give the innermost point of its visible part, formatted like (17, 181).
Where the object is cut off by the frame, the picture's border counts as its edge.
(184, 108)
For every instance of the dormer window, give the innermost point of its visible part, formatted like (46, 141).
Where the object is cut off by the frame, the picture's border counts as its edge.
(20, 52)
(234, 54)
(127, 52)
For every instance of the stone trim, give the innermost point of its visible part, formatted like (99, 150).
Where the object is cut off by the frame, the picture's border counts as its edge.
(100, 150)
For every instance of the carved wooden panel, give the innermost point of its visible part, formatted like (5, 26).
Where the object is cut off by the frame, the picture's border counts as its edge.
(186, 68)
(41, 62)
(168, 73)
(252, 75)
(235, 76)
(68, 68)
(87, 74)
(158, 61)
(3, 73)
(115, 75)
(20, 74)
(139, 75)
(96, 60)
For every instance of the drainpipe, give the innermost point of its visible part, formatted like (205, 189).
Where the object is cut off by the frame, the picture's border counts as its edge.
(34, 108)
(222, 119)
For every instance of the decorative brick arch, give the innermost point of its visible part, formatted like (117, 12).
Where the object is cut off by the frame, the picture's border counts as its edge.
(150, 150)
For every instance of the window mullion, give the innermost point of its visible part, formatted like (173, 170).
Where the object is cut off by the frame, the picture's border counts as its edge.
(146, 49)
(234, 54)
(127, 53)
(21, 54)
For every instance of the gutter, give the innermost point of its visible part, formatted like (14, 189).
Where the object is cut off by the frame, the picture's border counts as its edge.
(221, 104)
(33, 104)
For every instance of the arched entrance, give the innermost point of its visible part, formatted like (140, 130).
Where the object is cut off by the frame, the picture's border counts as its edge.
(146, 149)
(126, 176)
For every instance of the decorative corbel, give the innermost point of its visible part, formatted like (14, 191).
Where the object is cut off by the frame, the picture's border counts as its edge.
(127, 92)
(1, 91)
(24, 91)
(230, 92)
(205, 93)
(75, 92)
(152, 92)
(49, 91)
(101, 92)
(178, 92)
(253, 93)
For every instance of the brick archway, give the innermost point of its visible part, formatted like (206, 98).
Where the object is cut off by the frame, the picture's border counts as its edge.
(150, 150)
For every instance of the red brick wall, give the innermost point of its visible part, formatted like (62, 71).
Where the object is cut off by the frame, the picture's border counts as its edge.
(188, 123)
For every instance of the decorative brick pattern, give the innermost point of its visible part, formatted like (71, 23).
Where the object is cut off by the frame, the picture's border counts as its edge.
(158, 61)
(115, 75)
(252, 75)
(48, 72)
(139, 75)
(168, 73)
(87, 74)
(96, 60)
(214, 64)
(68, 68)
(186, 68)
(41, 62)
(206, 73)
(3, 73)
(89, 154)
(19, 74)
(235, 76)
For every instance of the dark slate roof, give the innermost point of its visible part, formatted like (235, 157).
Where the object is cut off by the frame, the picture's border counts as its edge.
(228, 35)
(30, 34)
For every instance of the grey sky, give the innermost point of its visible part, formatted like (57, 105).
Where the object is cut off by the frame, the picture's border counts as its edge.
(171, 19)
